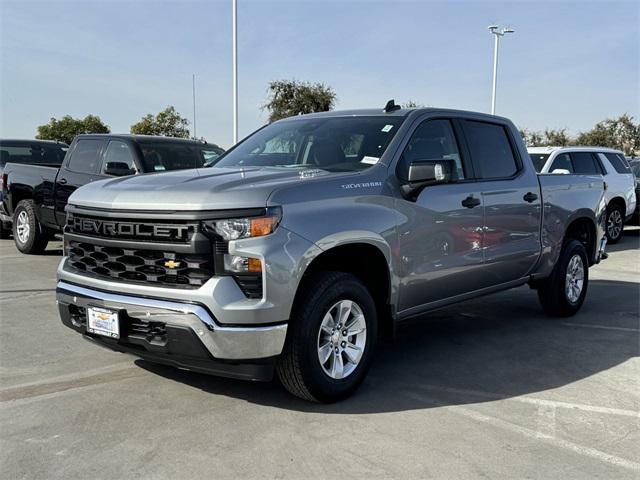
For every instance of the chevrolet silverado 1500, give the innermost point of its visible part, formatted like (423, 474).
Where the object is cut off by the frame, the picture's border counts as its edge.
(315, 235)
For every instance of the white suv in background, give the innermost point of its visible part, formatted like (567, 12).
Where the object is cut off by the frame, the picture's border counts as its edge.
(620, 192)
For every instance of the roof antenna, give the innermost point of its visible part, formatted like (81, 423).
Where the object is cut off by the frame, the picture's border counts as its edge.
(391, 106)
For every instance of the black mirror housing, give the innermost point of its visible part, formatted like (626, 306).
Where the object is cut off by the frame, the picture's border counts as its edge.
(118, 169)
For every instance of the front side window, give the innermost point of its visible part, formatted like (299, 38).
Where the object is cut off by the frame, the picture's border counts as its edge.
(84, 158)
(118, 155)
(490, 149)
(434, 140)
(562, 162)
(584, 163)
(335, 144)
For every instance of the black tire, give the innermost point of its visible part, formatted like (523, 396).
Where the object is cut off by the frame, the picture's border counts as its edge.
(37, 238)
(299, 368)
(552, 292)
(614, 223)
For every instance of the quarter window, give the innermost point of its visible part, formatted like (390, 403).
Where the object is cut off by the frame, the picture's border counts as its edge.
(490, 149)
(434, 140)
(618, 162)
(118, 153)
(84, 158)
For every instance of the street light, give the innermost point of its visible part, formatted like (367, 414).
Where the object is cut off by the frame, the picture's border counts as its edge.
(235, 71)
(498, 32)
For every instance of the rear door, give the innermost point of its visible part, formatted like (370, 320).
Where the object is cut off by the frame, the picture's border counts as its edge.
(81, 166)
(511, 201)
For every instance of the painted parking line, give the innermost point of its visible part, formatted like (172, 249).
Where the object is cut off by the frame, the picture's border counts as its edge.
(601, 327)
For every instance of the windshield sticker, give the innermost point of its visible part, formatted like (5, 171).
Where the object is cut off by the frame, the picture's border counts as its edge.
(387, 128)
(369, 160)
(349, 186)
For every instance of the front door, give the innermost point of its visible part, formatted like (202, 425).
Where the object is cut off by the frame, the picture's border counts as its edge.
(440, 232)
(80, 168)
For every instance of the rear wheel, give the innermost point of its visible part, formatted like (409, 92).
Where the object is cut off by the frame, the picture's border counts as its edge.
(615, 223)
(331, 338)
(29, 236)
(563, 293)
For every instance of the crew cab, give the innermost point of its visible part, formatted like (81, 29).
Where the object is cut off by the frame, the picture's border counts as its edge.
(612, 164)
(315, 235)
(27, 152)
(36, 195)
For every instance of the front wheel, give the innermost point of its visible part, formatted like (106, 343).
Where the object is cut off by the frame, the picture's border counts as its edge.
(615, 223)
(28, 235)
(331, 338)
(563, 293)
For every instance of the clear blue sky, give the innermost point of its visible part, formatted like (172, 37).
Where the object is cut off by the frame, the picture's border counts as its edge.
(569, 64)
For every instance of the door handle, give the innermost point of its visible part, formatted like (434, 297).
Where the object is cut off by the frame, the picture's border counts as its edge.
(530, 197)
(62, 181)
(470, 202)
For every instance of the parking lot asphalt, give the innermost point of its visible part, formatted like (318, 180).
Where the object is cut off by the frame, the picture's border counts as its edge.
(488, 388)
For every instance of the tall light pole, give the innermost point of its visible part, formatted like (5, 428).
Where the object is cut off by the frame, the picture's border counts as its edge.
(235, 71)
(498, 32)
(193, 85)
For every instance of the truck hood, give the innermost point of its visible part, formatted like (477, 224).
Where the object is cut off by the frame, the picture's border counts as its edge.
(198, 189)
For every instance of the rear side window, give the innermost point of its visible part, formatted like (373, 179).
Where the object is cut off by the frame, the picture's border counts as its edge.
(584, 163)
(618, 162)
(84, 158)
(562, 162)
(490, 149)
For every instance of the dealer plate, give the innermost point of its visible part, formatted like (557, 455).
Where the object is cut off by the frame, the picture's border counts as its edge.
(102, 321)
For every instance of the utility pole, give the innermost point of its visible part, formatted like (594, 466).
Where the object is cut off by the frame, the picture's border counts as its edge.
(235, 71)
(194, 107)
(495, 30)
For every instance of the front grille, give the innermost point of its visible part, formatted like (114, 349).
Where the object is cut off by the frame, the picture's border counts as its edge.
(141, 265)
(152, 332)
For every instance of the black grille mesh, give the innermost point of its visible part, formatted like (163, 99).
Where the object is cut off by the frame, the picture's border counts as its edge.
(146, 266)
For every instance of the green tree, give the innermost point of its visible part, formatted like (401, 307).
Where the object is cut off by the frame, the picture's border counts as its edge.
(548, 137)
(291, 97)
(167, 123)
(68, 127)
(412, 104)
(621, 133)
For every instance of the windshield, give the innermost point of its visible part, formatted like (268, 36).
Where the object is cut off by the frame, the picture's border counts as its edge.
(335, 144)
(32, 153)
(163, 156)
(539, 159)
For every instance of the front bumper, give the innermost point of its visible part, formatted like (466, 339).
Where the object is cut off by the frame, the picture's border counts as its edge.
(176, 333)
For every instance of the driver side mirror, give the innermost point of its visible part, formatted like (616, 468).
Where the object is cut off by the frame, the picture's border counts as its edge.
(423, 173)
(118, 169)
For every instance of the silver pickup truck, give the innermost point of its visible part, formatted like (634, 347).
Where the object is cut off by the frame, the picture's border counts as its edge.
(318, 234)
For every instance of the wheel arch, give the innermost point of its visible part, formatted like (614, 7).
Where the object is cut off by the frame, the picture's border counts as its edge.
(367, 262)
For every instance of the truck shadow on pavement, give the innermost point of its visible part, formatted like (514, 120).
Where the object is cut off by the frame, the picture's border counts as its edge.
(492, 348)
(630, 240)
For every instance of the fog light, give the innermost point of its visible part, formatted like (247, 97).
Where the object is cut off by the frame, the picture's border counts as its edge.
(238, 264)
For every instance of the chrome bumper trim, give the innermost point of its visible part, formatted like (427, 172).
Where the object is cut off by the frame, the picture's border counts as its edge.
(223, 342)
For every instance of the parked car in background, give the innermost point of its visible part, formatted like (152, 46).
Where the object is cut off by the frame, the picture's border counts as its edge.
(317, 232)
(635, 168)
(35, 196)
(612, 164)
(27, 152)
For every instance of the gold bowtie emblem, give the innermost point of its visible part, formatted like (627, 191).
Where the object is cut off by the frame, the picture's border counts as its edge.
(171, 264)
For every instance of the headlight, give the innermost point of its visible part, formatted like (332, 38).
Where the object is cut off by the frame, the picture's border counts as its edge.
(238, 228)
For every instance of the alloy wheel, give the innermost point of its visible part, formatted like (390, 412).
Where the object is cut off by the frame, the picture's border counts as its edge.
(342, 339)
(22, 227)
(574, 281)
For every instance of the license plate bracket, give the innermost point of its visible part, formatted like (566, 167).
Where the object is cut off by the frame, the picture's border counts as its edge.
(103, 321)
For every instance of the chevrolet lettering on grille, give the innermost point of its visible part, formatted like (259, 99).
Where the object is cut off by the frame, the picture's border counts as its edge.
(110, 228)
